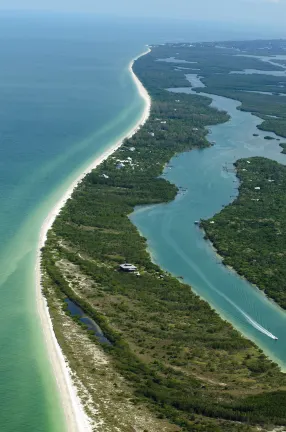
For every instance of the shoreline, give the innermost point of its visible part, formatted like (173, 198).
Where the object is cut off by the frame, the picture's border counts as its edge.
(76, 419)
(146, 295)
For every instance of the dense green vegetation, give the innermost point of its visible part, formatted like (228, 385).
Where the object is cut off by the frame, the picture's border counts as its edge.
(250, 233)
(267, 107)
(212, 61)
(178, 355)
(258, 47)
(217, 63)
(283, 145)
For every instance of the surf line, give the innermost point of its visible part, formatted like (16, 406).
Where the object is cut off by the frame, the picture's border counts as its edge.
(185, 257)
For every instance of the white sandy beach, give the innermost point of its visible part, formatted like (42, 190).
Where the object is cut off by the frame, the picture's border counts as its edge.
(76, 419)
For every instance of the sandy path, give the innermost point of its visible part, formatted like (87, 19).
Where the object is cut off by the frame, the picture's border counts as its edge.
(76, 419)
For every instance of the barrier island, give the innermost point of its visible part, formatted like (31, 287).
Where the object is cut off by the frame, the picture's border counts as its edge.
(145, 352)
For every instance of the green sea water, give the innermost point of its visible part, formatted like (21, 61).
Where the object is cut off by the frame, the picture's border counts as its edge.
(66, 95)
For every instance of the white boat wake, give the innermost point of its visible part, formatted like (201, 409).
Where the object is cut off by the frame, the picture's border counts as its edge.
(258, 326)
(251, 321)
(186, 258)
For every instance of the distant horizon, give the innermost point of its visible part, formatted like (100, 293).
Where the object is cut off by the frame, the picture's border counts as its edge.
(94, 14)
(232, 12)
(183, 29)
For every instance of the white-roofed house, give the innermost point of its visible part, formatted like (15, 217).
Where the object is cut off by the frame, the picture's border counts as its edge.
(128, 267)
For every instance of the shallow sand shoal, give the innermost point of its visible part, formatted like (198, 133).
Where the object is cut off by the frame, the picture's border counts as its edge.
(75, 416)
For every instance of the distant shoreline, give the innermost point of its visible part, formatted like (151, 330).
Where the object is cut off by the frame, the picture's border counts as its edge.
(75, 417)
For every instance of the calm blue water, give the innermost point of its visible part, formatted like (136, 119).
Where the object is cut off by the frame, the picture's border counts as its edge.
(65, 96)
(177, 244)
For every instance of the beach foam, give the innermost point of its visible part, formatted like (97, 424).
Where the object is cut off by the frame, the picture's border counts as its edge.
(76, 418)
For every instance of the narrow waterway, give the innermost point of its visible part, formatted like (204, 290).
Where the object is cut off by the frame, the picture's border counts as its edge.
(77, 312)
(177, 244)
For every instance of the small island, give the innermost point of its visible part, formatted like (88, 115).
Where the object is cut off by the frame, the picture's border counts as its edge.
(283, 145)
(250, 233)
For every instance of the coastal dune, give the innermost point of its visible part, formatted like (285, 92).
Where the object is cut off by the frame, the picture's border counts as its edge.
(75, 416)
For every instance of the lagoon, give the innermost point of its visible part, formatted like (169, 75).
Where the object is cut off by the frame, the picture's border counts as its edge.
(178, 245)
(66, 95)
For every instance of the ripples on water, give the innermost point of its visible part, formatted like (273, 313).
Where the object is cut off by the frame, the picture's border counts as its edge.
(178, 246)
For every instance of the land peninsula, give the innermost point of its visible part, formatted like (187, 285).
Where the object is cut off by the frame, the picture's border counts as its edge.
(250, 233)
(168, 361)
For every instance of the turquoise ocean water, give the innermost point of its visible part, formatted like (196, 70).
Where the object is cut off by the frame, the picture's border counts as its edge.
(65, 96)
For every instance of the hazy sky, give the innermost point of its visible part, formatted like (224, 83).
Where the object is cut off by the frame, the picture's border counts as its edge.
(268, 11)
